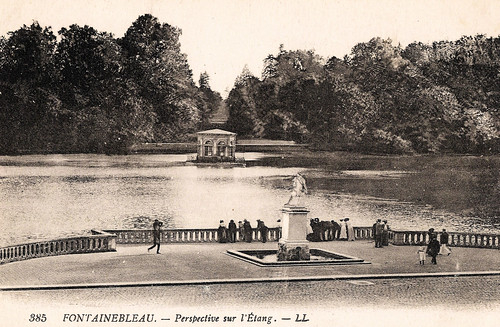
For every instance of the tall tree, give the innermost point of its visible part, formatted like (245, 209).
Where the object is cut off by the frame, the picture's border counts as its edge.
(156, 63)
(28, 103)
(209, 102)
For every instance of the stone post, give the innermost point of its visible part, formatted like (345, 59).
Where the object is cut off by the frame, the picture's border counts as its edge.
(293, 245)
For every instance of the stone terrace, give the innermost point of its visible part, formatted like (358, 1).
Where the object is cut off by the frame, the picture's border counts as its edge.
(209, 263)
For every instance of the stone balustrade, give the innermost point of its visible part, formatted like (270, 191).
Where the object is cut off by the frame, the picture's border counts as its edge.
(474, 240)
(137, 236)
(103, 241)
(140, 236)
(365, 233)
(99, 241)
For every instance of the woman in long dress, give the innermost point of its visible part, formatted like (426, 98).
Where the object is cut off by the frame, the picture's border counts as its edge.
(350, 229)
(444, 250)
(222, 232)
(343, 230)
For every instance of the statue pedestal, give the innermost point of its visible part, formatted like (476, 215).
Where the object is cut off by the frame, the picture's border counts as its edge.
(293, 245)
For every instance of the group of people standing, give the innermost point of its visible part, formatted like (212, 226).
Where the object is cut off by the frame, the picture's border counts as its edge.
(245, 230)
(435, 247)
(380, 232)
(329, 230)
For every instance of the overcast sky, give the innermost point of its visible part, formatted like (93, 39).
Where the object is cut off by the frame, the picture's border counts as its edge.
(221, 36)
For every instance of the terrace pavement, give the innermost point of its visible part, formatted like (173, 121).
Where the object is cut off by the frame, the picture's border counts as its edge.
(209, 263)
(203, 279)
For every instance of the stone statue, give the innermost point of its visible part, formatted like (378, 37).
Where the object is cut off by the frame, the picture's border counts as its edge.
(299, 189)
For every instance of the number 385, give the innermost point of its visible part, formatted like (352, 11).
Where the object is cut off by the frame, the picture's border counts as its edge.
(39, 317)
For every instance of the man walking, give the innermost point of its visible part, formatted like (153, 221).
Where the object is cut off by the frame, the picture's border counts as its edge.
(156, 235)
(379, 229)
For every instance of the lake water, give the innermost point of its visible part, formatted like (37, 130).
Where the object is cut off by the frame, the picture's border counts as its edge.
(47, 196)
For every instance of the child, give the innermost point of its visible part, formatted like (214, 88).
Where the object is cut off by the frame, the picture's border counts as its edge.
(421, 253)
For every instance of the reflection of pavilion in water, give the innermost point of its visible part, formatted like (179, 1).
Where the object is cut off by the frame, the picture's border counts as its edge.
(216, 145)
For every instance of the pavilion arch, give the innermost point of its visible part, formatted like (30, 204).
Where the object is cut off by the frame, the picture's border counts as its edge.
(208, 148)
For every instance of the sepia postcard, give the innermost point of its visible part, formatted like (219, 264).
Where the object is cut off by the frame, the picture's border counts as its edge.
(249, 163)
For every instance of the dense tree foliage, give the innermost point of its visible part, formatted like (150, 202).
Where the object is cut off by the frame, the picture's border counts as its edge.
(434, 98)
(88, 91)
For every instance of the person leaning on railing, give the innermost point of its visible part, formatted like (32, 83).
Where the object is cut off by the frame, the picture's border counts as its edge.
(385, 233)
(232, 231)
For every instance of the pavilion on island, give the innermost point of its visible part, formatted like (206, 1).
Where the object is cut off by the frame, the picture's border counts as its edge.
(216, 145)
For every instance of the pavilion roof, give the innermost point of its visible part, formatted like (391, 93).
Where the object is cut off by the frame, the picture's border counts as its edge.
(216, 131)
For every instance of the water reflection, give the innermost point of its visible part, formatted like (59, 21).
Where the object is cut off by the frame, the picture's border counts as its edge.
(51, 196)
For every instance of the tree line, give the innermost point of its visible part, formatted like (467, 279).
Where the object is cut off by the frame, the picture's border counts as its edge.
(88, 91)
(436, 98)
(83, 90)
